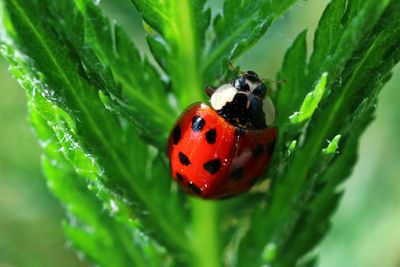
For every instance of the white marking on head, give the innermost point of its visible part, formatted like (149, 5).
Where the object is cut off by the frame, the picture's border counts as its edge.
(269, 110)
(224, 94)
(252, 85)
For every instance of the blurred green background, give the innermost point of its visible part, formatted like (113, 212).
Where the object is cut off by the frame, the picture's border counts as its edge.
(366, 227)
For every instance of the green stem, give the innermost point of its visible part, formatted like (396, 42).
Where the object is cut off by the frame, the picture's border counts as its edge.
(205, 238)
(187, 78)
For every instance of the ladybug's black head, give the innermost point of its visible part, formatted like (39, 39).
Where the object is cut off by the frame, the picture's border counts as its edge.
(243, 102)
(250, 82)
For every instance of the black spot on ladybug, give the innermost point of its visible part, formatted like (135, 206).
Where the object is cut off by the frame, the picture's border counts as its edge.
(176, 134)
(179, 177)
(184, 159)
(195, 188)
(237, 174)
(198, 123)
(258, 151)
(271, 147)
(212, 166)
(211, 135)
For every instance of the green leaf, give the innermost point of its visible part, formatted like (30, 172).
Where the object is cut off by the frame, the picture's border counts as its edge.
(91, 226)
(368, 42)
(113, 62)
(324, 201)
(94, 133)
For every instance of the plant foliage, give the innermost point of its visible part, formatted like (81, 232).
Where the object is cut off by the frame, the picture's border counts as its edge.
(102, 114)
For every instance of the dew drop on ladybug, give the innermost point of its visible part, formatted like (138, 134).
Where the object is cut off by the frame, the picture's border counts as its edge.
(220, 150)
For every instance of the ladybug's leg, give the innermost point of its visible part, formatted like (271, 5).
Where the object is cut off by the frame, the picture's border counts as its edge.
(209, 91)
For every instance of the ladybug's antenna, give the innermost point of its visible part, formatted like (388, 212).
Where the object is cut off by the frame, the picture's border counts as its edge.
(236, 69)
(269, 89)
(209, 91)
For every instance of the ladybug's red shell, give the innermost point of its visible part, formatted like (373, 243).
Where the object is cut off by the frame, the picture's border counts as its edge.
(214, 159)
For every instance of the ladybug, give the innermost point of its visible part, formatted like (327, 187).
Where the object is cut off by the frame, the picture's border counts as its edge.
(219, 151)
